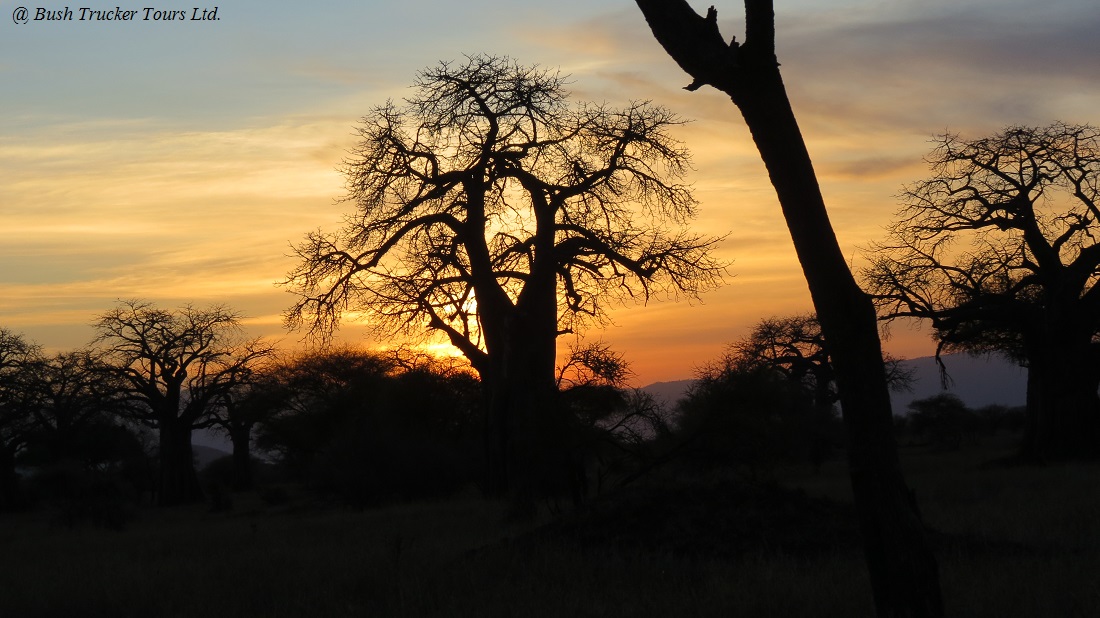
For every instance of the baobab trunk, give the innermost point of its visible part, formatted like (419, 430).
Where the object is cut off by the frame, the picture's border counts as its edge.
(1063, 406)
(521, 417)
(536, 437)
(179, 484)
(496, 408)
(903, 572)
(525, 437)
(241, 436)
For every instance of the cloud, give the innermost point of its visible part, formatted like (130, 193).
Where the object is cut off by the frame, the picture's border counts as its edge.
(106, 210)
(969, 64)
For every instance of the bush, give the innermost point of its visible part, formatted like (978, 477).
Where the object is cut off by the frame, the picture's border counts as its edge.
(944, 421)
(103, 499)
(997, 418)
(750, 418)
(367, 432)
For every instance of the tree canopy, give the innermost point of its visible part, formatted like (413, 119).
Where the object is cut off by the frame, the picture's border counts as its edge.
(487, 179)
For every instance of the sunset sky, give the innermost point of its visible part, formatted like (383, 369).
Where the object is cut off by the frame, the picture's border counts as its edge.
(177, 161)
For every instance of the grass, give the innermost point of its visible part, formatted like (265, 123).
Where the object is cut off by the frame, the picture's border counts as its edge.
(1010, 541)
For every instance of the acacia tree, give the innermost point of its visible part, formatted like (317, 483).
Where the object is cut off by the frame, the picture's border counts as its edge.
(998, 250)
(795, 346)
(614, 426)
(904, 575)
(313, 394)
(492, 210)
(176, 367)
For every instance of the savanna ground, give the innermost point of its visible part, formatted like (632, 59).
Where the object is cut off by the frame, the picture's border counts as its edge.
(1011, 541)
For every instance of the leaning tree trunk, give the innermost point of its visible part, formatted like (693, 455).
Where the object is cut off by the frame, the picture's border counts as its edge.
(903, 572)
(179, 483)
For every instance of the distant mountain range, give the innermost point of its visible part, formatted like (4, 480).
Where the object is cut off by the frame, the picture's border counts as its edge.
(978, 381)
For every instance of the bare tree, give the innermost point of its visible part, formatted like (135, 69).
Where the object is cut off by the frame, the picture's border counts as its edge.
(251, 396)
(594, 364)
(76, 404)
(904, 574)
(614, 425)
(17, 421)
(795, 346)
(177, 366)
(492, 210)
(998, 249)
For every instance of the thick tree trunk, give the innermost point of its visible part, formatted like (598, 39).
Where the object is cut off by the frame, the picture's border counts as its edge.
(521, 422)
(903, 572)
(525, 435)
(241, 436)
(1062, 403)
(179, 483)
(536, 444)
(520, 413)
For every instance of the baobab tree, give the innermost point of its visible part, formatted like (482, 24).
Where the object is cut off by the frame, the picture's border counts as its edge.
(17, 421)
(75, 404)
(998, 250)
(176, 367)
(493, 211)
(253, 396)
(904, 574)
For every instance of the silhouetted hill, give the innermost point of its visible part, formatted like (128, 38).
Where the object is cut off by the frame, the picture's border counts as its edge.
(668, 393)
(978, 381)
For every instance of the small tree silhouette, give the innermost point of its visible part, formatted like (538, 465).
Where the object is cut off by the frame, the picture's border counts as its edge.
(176, 367)
(943, 420)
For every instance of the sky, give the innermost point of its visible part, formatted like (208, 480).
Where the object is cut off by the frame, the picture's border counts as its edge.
(178, 161)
